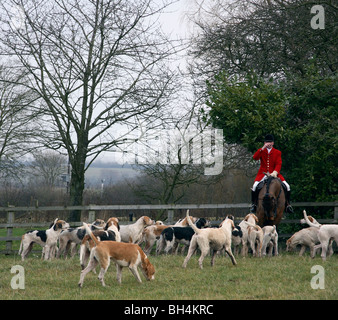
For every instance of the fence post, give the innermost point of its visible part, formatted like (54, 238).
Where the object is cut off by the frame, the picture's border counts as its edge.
(170, 216)
(10, 220)
(91, 216)
(336, 211)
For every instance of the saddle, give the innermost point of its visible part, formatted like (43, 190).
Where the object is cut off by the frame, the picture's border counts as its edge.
(262, 183)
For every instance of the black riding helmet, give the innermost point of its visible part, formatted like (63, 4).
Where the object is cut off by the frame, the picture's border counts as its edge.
(269, 138)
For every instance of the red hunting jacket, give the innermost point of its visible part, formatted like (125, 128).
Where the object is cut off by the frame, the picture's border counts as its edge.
(269, 162)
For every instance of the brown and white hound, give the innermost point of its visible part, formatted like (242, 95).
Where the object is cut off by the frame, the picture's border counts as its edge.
(110, 233)
(123, 255)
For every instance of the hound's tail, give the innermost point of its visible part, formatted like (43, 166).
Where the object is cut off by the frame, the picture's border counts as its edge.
(273, 231)
(91, 234)
(191, 224)
(21, 245)
(309, 222)
(255, 226)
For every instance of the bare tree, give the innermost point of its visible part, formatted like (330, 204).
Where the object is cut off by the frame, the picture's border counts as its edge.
(178, 158)
(16, 130)
(48, 167)
(96, 65)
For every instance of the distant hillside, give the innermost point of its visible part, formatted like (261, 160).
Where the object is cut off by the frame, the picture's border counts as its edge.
(110, 172)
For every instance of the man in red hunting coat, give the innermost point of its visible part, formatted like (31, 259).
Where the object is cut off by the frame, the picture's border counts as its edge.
(271, 162)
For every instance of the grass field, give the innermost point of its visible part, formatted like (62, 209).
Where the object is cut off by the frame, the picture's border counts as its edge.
(287, 276)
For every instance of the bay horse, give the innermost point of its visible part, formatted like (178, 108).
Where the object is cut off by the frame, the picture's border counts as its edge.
(271, 202)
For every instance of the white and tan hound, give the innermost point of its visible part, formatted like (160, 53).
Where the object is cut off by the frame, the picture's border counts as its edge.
(215, 239)
(307, 237)
(133, 232)
(270, 240)
(326, 232)
(249, 221)
(110, 233)
(255, 238)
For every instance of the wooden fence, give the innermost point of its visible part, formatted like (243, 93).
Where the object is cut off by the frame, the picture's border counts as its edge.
(10, 211)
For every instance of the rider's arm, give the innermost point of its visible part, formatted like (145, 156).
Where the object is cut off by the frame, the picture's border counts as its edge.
(258, 154)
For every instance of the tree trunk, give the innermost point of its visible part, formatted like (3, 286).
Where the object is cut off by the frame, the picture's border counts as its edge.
(77, 184)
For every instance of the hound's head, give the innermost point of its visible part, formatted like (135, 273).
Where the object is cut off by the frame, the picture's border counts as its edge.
(227, 223)
(112, 222)
(237, 231)
(147, 221)
(59, 225)
(159, 223)
(202, 223)
(289, 244)
(229, 216)
(98, 224)
(251, 216)
(148, 270)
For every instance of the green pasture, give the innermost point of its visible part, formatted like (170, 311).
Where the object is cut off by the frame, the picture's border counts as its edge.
(287, 276)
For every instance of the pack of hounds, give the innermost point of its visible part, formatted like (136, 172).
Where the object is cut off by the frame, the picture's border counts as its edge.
(102, 242)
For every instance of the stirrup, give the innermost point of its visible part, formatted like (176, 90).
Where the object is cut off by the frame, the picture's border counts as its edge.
(253, 208)
(289, 209)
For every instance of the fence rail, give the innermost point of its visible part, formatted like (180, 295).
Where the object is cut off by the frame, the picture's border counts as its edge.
(10, 224)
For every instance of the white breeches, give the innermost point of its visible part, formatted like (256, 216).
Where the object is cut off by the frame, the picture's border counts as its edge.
(265, 177)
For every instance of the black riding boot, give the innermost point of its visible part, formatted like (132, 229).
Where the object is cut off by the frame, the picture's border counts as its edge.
(253, 202)
(289, 209)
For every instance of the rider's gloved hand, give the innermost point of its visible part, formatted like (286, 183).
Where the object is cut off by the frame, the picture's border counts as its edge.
(274, 174)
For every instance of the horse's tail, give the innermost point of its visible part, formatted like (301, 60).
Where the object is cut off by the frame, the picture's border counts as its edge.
(309, 222)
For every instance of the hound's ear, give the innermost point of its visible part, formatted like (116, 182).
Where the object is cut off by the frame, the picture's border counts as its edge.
(246, 217)
(256, 219)
(118, 226)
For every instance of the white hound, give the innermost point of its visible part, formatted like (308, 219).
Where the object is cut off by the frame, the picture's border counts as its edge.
(325, 233)
(133, 232)
(215, 239)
